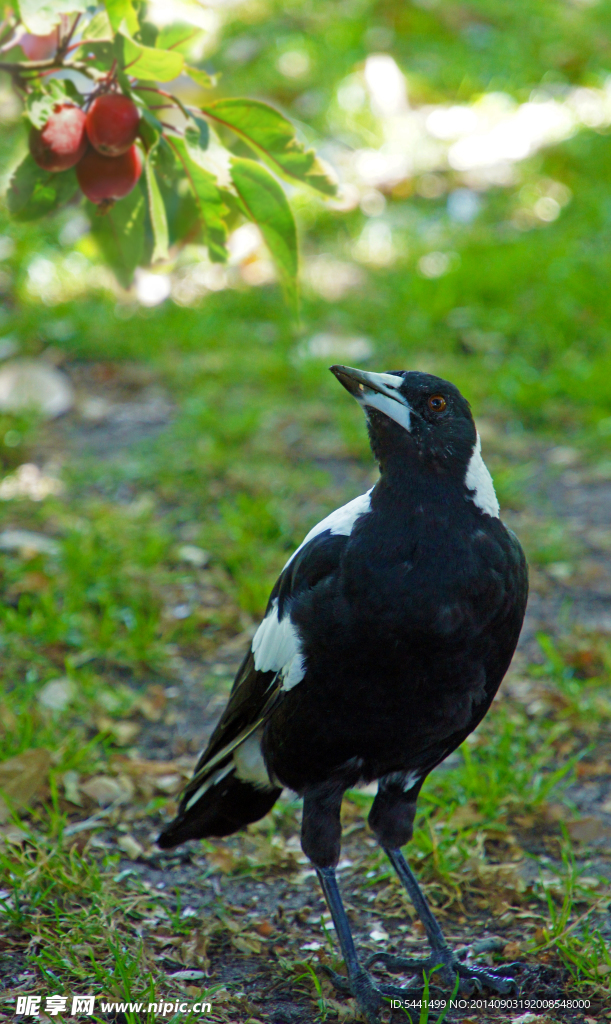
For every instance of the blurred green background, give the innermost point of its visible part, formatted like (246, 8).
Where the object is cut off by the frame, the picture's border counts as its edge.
(470, 238)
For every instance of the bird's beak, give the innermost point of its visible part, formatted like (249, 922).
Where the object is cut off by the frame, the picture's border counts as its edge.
(377, 391)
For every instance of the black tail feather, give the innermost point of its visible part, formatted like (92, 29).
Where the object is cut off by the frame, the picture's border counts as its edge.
(223, 809)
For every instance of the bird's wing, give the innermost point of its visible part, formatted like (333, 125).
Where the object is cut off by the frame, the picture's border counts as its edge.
(275, 663)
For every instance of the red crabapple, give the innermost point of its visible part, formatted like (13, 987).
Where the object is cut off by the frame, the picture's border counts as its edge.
(112, 124)
(106, 178)
(62, 141)
(39, 47)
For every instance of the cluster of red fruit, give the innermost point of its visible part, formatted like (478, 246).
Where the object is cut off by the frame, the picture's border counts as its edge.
(100, 143)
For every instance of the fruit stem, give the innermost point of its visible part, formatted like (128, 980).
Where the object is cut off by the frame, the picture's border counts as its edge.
(112, 71)
(104, 207)
(65, 42)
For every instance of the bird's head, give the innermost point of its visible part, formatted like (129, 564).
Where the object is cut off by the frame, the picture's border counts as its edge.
(416, 416)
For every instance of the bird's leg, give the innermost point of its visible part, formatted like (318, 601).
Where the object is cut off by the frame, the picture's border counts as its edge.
(359, 982)
(443, 961)
(391, 819)
(321, 842)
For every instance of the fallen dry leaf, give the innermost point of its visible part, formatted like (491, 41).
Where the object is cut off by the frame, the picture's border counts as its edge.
(140, 766)
(123, 732)
(222, 858)
(130, 846)
(168, 783)
(13, 834)
(106, 790)
(30, 583)
(246, 943)
(512, 950)
(153, 703)
(588, 829)
(22, 778)
(465, 816)
(587, 769)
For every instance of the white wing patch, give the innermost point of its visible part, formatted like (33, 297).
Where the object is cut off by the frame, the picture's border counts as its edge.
(249, 763)
(478, 479)
(276, 645)
(277, 648)
(339, 522)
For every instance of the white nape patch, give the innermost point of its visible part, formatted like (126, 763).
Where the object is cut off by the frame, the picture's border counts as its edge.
(211, 781)
(277, 648)
(249, 763)
(389, 406)
(478, 479)
(339, 522)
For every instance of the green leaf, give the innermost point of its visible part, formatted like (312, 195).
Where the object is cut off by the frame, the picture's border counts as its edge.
(202, 77)
(164, 160)
(157, 212)
(148, 62)
(179, 36)
(197, 133)
(262, 200)
(122, 10)
(150, 128)
(120, 234)
(41, 16)
(99, 28)
(40, 104)
(210, 206)
(39, 107)
(32, 192)
(272, 137)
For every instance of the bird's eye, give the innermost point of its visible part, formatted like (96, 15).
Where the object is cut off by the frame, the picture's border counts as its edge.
(437, 403)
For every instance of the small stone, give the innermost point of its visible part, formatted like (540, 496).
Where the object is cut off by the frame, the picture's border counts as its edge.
(26, 541)
(35, 385)
(104, 789)
(57, 694)
(130, 846)
(193, 555)
(168, 783)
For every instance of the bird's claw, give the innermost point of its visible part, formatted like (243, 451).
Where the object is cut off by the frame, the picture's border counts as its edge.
(444, 966)
(498, 981)
(400, 964)
(368, 996)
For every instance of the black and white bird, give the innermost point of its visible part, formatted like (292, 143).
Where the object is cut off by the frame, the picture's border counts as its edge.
(385, 639)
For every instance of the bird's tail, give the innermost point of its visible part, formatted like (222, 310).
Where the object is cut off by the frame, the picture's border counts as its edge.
(223, 804)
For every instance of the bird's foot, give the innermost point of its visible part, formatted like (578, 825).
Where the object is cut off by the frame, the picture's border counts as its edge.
(362, 988)
(442, 966)
(368, 995)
